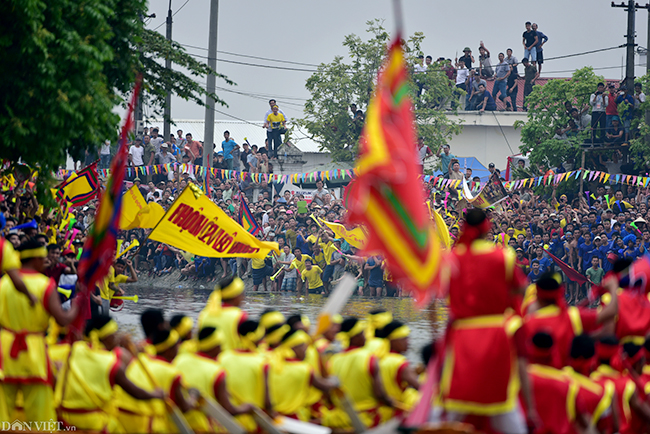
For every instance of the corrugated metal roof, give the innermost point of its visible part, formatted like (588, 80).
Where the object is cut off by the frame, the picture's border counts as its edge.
(252, 130)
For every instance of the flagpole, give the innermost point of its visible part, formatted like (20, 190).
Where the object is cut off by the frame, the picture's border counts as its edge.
(397, 12)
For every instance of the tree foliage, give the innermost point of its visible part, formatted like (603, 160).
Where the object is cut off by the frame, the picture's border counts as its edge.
(68, 63)
(547, 112)
(342, 82)
(640, 145)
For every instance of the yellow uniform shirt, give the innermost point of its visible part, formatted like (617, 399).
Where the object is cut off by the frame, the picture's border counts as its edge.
(275, 121)
(328, 249)
(105, 291)
(313, 277)
(258, 263)
(10, 260)
(300, 265)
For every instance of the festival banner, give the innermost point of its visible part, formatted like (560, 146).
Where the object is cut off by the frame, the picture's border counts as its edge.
(385, 198)
(441, 227)
(246, 217)
(355, 237)
(197, 225)
(491, 194)
(80, 187)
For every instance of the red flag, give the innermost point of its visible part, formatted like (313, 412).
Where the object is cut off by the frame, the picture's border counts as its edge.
(571, 273)
(101, 244)
(385, 197)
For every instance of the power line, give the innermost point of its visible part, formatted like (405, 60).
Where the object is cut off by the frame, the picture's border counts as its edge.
(286, 68)
(173, 15)
(253, 57)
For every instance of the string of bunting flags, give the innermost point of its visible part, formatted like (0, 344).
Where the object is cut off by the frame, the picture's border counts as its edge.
(325, 175)
(549, 178)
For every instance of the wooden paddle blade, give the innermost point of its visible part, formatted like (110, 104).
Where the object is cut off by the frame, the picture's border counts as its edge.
(390, 427)
(179, 420)
(265, 422)
(357, 424)
(335, 302)
(294, 426)
(218, 413)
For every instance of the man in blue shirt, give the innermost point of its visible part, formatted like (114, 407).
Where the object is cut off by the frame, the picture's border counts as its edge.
(556, 247)
(585, 252)
(228, 145)
(545, 263)
(534, 275)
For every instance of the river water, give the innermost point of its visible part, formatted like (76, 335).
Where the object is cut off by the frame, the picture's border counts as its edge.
(424, 323)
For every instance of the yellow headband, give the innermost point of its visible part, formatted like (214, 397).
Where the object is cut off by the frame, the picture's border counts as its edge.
(251, 339)
(97, 334)
(233, 290)
(168, 343)
(299, 337)
(345, 337)
(275, 336)
(270, 319)
(210, 342)
(304, 319)
(185, 326)
(39, 252)
(336, 319)
(400, 332)
(379, 320)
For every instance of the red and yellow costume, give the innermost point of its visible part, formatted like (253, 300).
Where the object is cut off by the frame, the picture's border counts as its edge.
(201, 372)
(596, 398)
(224, 316)
(557, 398)
(636, 318)
(84, 390)
(24, 350)
(479, 374)
(624, 388)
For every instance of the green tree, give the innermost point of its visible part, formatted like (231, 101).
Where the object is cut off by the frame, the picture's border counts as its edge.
(68, 63)
(547, 113)
(343, 82)
(640, 144)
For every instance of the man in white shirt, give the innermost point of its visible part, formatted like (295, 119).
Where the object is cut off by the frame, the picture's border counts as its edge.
(105, 155)
(156, 140)
(136, 153)
(423, 153)
(152, 190)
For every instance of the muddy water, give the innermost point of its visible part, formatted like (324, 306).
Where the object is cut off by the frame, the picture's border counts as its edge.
(424, 324)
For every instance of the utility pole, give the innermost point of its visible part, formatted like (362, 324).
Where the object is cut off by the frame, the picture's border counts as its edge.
(208, 136)
(630, 8)
(168, 65)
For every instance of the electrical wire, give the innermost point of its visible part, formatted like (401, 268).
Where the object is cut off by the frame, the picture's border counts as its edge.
(285, 68)
(252, 57)
(583, 53)
(173, 15)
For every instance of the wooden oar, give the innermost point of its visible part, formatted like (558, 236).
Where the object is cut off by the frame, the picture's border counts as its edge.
(213, 409)
(335, 302)
(175, 413)
(264, 421)
(294, 426)
(357, 425)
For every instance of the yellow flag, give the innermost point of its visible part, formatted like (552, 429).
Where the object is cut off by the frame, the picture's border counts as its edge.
(197, 225)
(132, 204)
(355, 237)
(441, 228)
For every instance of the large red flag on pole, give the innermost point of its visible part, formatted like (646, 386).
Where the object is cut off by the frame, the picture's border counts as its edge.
(387, 196)
(101, 244)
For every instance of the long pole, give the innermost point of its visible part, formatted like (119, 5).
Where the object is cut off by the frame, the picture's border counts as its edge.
(208, 136)
(647, 67)
(168, 65)
(629, 67)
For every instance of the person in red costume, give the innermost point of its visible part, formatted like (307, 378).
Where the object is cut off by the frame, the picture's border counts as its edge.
(484, 368)
(550, 314)
(561, 408)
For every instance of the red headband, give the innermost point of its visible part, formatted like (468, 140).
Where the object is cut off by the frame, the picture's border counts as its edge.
(471, 233)
(582, 366)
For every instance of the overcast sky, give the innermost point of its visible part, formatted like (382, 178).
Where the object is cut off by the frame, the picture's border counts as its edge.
(312, 32)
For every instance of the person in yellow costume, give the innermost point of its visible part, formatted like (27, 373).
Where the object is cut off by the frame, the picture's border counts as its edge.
(312, 275)
(201, 371)
(223, 311)
(299, 264)
(247, 372)
(291, 376)
(109, 285)
(184, 325)
(22, 334)
(324, 343)
(274, 326)
(84, 392)
(377, 319)
(358, 372)
(400, 380)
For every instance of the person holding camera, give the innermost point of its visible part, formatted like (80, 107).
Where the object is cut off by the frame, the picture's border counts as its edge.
(598, 102)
